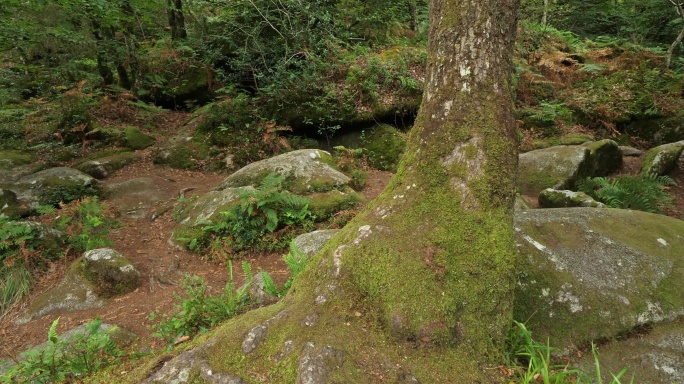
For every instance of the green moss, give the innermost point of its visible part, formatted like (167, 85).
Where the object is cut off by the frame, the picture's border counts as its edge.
(13, 158)
(135, 139)
(323, 205)
(385, 145)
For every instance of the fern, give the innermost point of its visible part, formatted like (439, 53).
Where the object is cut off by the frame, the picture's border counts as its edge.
(645, 192)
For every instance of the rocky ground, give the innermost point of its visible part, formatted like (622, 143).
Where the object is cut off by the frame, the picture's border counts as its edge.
(161, 264)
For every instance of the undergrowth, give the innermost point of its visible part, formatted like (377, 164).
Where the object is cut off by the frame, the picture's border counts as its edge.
(67, 359)
(531, 362)
(644, 192)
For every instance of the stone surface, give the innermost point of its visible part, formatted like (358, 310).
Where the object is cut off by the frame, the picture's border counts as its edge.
(586, 274)
(306, 170)
(257, 292)
(102, 167)
(312, 242)
(654, 357)
(13, 165)
(53, 181)
(136, 198)
(110, 272)
(385, 145)
(551, 198)
(663, 159)
(630, 151)
(191, 366)
(556, 167)
(316, 363)
(9, 205)
(605, 157)
(136, 139)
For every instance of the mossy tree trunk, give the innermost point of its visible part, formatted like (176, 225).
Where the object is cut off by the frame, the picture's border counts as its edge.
(176, 19)
(418, 287)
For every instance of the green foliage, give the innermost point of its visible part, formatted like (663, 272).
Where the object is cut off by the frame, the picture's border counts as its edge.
(15, 278)
(295, 261)
(531, 362)
(261, 212)
(87, 223)
(65, 193)
(65, 359)
(197, 311)
(644, 192)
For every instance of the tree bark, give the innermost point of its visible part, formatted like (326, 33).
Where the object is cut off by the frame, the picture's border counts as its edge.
(176, 19)
(680, 11)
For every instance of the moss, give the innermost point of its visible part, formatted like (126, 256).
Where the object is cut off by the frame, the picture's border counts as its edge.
(13, 158)
(323, 205)
(385, 145)
(135, 139)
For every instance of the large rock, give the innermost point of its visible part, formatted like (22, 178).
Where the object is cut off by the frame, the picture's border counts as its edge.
(54, 185)
(556, 167)
(306, 170)
(312, 242)
(551, 198)
(587, 274)
(663, 159)
(102, 167)
(9, 205)
(652, 357)
(605, 157)
(385, 145)
(110, 272)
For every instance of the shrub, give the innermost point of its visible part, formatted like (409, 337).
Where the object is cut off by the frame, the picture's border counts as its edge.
(197, 312)
(65, 359)
(643, 192)
(15, 277)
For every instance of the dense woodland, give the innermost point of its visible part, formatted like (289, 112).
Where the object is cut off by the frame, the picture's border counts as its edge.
(241, 81)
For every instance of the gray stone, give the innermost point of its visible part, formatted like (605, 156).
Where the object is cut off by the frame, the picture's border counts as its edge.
(29, 187)
(9, 205)
(310, 243)
(253, 338)
(630, 151)
(653, 357)
(551, 198)
(520, 203)
(109, 271)
(193, 362)
(316, 363)
(663, 159)
(586, 274)
(136, 198)
(103, 167)
(556, 167)
(257, 292)
(306, 170)
(605, 157)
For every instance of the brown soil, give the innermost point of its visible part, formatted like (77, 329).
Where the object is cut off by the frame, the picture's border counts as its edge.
(161, 264)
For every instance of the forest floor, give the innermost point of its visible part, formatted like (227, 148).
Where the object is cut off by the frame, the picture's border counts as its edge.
(146, 244)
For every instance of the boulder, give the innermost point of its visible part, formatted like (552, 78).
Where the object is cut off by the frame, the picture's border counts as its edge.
(110, 272)
(663, 159)
(136, 139)
(586, 274)
(556, 167)
(652, 357)
(324, 204)
(630, 151)
(551, 198)
(306, 171)
(54, 185)
(385, 145)
(9, 205)
(13, 165)
(102, 167)
(312, 242)
(605, 157)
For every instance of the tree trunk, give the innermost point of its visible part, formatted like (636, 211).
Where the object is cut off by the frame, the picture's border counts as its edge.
(176, 19)
(546, 12)
(419, 286)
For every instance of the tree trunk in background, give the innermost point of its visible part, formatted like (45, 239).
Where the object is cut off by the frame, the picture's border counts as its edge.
(680, 11)
(546, 12)
(100, 46)
(176, 19)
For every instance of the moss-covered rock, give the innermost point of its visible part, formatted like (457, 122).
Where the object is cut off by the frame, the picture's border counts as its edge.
(183, 151)
(325, 204)
(110, 272)
(312, 242)
(552, 198)
(569, 139)
(9, 205)
(13, 158)
(385, 145)
(586, 274)
(556, 167)
(663, 159)
(605, 157)
(102, 167)
(136, 139)
(652, 357)
(53, 185)
(306, 171)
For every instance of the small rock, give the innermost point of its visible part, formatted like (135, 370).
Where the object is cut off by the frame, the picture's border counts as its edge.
(663, 159)
(630, 151)
(111, 272)
(551, 198)
(254, 337)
